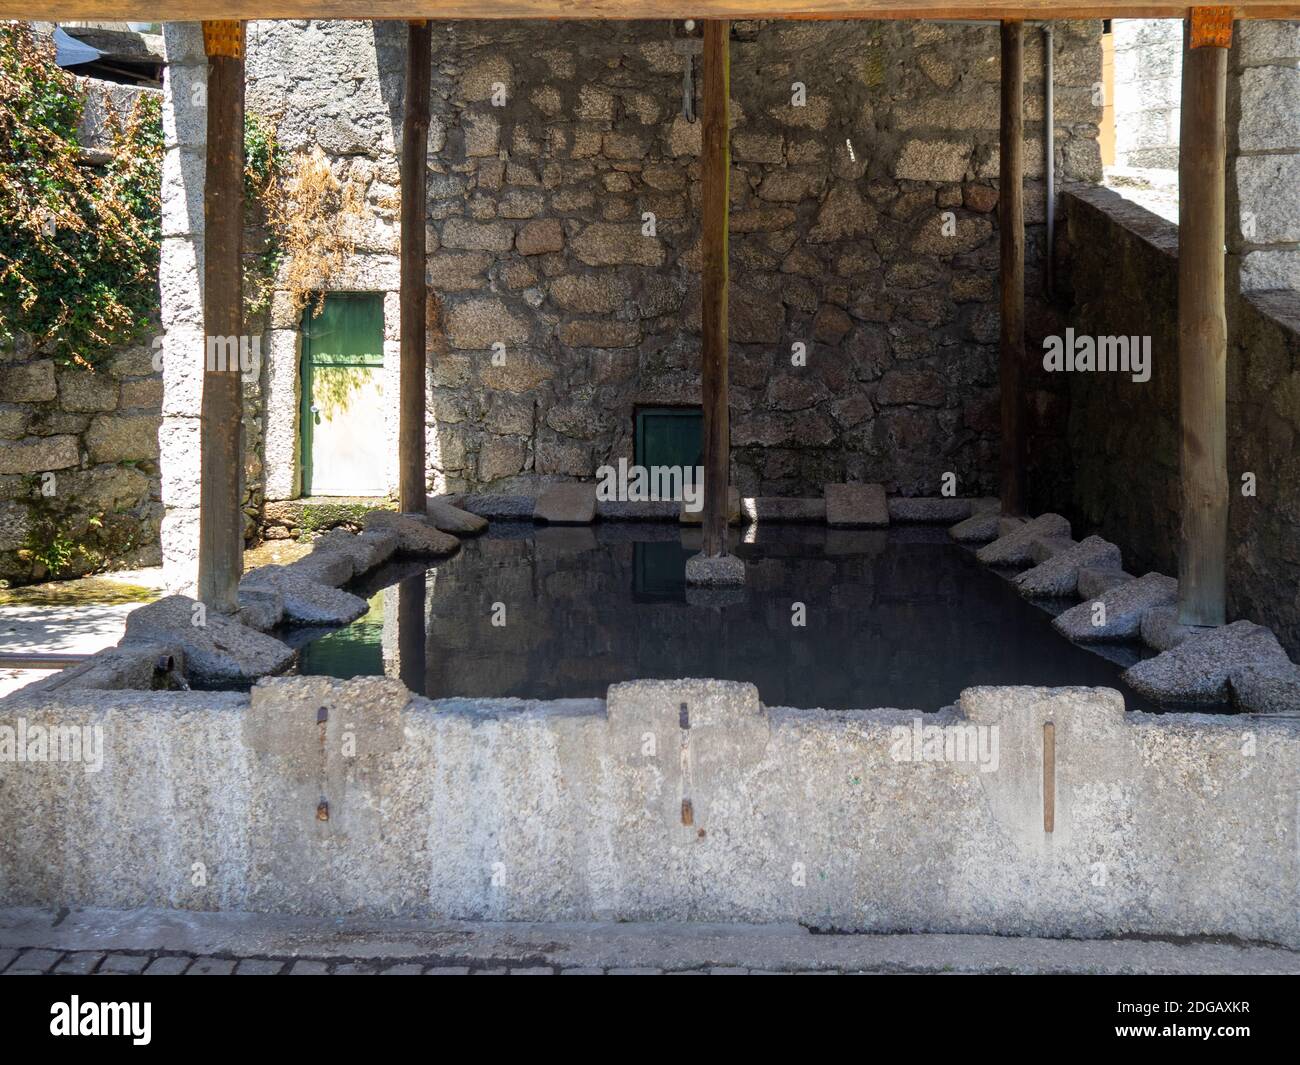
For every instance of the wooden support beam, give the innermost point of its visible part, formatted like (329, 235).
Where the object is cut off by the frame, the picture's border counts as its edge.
(414, 295)
(221, 490)
(715, 176)
(191, 10)
(1011, 238)
(1202, 322)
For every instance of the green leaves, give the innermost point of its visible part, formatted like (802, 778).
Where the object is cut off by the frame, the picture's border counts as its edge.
(79, 251)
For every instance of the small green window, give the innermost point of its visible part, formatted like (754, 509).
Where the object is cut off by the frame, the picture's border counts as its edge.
(669, 436)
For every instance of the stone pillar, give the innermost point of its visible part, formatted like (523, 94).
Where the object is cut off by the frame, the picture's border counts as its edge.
(180, 275)
(1264, 156)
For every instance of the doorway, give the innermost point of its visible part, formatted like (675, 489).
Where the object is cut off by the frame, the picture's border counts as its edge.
(343, 434)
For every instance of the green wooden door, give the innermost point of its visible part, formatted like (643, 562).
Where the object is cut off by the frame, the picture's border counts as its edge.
(344, 444)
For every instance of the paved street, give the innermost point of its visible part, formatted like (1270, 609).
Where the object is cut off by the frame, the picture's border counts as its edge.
(172, 943)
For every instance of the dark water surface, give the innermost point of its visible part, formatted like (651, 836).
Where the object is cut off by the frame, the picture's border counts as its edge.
(902, 618)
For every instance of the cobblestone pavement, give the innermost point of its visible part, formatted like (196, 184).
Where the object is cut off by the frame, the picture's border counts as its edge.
(172, 942)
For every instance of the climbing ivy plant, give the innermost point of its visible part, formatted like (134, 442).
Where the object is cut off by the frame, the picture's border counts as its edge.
(79, 243)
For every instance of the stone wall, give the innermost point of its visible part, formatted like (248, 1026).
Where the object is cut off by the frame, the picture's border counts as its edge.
(536, 211)
(1263, 227)
(1148, 91)
(78, 464)
(1124, 436)
(667, 801)
(79, 471)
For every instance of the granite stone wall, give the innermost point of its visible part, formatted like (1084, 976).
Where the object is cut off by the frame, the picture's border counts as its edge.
(1124, 436)
(863, 227)
(79, 473)
(79, 477)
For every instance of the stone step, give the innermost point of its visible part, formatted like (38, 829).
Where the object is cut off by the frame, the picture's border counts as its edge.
(1014, 547)
(415, 536)
(570, 503)
(859, 506)
(1093, 580)
(1201, 669)
(1272, 688)
(929, 509)
(779, 509)
(1161, 630)
(366, 551)
(1046, 547)
(1124, 605)
(305, 601)
(451, 519)
(219, 652)
(1059, 575)
(979, 528)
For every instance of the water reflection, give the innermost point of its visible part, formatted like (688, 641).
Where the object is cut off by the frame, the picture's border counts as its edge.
(900, 618)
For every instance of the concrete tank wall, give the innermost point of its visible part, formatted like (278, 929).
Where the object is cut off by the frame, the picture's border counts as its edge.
(684, 800)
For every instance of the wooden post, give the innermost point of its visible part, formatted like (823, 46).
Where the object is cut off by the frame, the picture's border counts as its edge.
(1202, 322)
(413, 296)
(221, 494)
(1011, 237)
(716, 176)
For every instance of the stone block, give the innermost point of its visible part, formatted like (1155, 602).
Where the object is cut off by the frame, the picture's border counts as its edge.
(134, 665)
(306, 601)
(861, 506)
(31, 382)
(217, 653)
(1059, 574)
(39, 454)
(781, 509)
(366, 551)
(329, 567)
(1094, 580)
(1046, 547)
(1268, 689)
(977, 529)
(444, 516)
(1161, 630)
(82, 390)
(1200, 669)
(925, 509)
(1014, 548)
(1123, 606)
(570, 503)
(119, 437)
(415, 536)
(714, 571)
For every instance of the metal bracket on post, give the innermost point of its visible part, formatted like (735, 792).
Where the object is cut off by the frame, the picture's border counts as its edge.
(1211, 27)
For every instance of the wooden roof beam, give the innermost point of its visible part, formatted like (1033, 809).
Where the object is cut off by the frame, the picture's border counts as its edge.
(978, 10)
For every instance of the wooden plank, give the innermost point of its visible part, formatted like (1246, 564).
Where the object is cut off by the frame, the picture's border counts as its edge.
(1011, 239)
(194, 10)
(414, 290)
(221, 491)
(1202, 335)
(715, 177)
